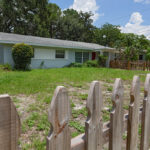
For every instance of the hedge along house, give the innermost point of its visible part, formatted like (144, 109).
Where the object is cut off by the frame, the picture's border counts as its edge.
(52, 53)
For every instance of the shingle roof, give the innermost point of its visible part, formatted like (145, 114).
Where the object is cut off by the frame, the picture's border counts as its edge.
(9, 38)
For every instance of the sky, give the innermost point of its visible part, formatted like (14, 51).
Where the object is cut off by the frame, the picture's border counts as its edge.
(133, 16)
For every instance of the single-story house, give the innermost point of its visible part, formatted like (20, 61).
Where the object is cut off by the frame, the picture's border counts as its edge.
(52, 53)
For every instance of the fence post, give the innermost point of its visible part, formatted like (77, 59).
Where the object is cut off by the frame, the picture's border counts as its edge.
(133, 120)
(59, 115)
(144, 66)
(9, 124)
(93, 125)
(116, 117)
(129, 65)
(145, 135)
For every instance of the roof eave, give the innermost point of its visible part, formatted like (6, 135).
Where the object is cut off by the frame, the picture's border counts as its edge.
(46, 45)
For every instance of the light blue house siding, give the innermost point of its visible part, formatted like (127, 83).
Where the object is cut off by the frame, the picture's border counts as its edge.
(43, 57)
(53, 62)
(1, 55)
(8, 55)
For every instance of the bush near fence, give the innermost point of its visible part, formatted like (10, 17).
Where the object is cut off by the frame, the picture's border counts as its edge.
(96, 133)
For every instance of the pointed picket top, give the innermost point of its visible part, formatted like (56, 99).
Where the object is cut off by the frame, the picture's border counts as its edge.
(116, 117)
(147, 87)
(133, 120)
(59, 115)
(10, 127)
(145, 133)
(93, 125)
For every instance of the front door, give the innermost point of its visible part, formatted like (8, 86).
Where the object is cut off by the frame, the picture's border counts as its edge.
(93, 55)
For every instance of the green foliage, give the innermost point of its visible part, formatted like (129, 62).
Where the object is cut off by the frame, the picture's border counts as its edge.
(77, 126)
(84, 96)
(76, 26)
(76, 113)
(79, 65)
(22, 54)
(131, 54)
(91, 63)
(133, 45)
(110, 89)
(102, 60)
(107, 35)
(148, 54)
(6, 67)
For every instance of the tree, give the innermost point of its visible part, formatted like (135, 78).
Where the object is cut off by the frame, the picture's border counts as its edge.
(8, 15)
(24, 17)
(107, 35)
(75, 26)
(54, 14)
(131, 45)
(148, 54)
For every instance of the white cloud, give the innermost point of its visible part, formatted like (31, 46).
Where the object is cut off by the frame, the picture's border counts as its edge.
(87, 6)
(136, 18)
(142, 1)
(135, 26)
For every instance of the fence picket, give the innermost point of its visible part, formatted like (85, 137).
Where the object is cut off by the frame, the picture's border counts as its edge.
(9, 124)
(133, 119)
(145, 135)
(116, 117)
(93, 125)
(59, 115)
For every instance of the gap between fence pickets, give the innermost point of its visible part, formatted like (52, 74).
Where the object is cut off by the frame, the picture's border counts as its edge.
(78, 143)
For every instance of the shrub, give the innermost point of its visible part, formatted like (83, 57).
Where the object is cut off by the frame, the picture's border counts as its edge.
(102, 60)
(148, 54)
(22, 54)
(75, 65)
(91, 63)
(6, 67)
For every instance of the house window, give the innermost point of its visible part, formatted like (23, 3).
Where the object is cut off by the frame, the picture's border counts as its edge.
(78, 57)
(106, 54)
(85, 56)
(81, 57)
(140, 57)
(60, 54)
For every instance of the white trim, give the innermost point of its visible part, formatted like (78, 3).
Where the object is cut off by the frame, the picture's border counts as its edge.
(66, 54)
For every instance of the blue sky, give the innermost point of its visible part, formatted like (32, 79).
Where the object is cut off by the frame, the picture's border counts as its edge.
(132, 15)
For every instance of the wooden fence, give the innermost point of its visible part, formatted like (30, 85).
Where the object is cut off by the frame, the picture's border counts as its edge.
(96, 133)
(130, 65)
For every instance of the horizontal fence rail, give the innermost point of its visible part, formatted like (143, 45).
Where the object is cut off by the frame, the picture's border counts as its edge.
(97, 133)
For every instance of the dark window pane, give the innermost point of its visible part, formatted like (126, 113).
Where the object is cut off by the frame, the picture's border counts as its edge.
(60, 54)
(85, 56)
(78, 57)
(140, 57)
(106, 54)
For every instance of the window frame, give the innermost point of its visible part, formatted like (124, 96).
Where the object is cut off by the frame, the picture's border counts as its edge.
(82, 56)
(59, 53)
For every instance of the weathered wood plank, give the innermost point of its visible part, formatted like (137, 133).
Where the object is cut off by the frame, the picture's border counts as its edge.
(59, 115)
(78, 143)
(93, 125)
(145, 135)
(116, 117)
(9, 124)
(133, 119)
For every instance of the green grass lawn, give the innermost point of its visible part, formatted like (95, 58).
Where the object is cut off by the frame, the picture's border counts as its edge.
(32, 92)
(38, 81)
